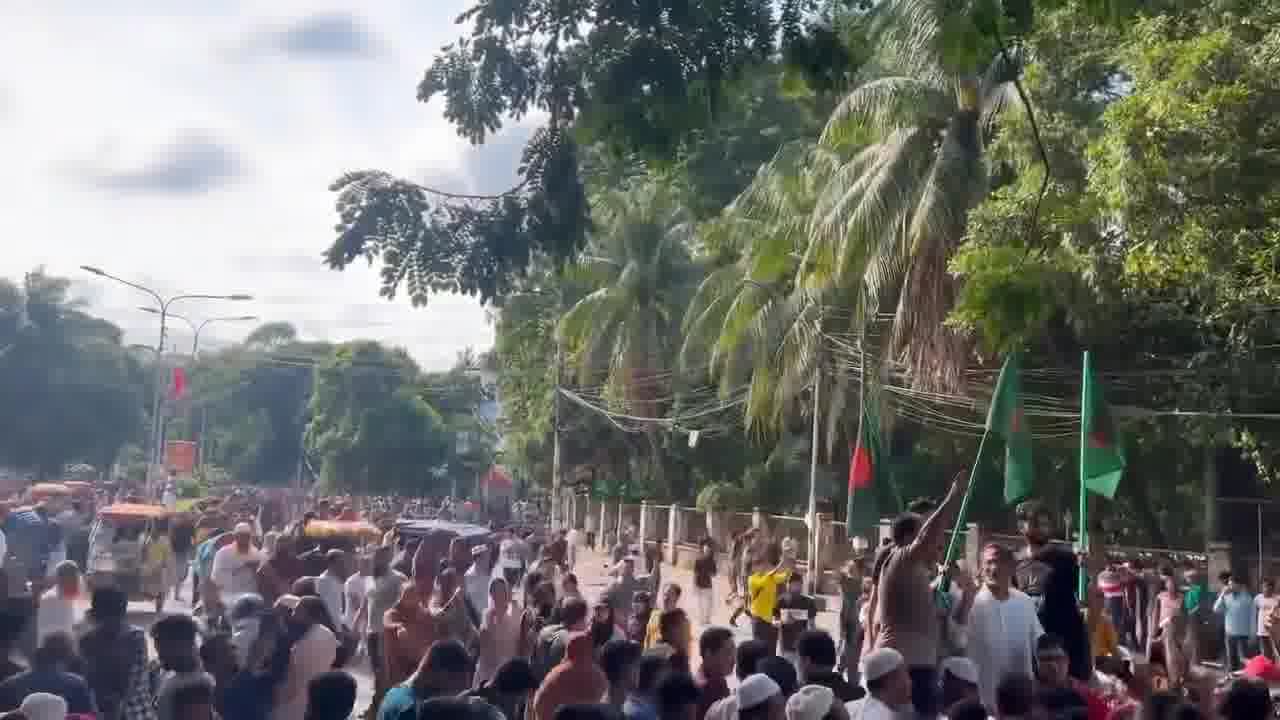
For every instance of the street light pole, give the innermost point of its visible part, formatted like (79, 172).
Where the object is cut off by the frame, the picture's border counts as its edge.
(157, 456)
(196, 329)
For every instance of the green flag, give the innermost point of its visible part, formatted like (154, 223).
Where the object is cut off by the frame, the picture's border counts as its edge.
(1007, 419)
(1101, 457)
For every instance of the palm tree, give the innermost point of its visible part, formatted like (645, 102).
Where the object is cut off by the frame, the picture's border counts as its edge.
(829, 236)
(895, 211)
(750, 323)
(639, 260)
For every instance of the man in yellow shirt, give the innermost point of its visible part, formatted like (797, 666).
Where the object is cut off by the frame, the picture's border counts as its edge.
(770, 573)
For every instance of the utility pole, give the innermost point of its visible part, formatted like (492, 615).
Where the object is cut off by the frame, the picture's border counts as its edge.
(196, 329)
(557, 519)
(811, 518)
(161, 309)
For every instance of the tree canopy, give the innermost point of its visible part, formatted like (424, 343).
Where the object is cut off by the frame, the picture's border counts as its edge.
(361, 414)
(72, 392)
(877, 201)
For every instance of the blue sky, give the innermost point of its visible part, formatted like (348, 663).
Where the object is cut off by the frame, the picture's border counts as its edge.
(188, 145)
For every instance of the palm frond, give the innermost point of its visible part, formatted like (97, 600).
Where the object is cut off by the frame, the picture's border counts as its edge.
(879, 107)
(908, 34)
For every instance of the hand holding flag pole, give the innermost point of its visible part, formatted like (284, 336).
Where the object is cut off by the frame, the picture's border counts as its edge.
(959, 484)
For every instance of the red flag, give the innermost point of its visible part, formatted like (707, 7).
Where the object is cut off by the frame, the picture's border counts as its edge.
(861, 468)
(179, 383)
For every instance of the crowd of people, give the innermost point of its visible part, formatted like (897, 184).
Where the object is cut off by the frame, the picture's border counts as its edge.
(498, 627)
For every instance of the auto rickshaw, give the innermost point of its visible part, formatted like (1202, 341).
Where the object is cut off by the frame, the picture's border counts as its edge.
(79, 488)
(411, 530)
(45, 491)
(318, 537)
(118, 543)
(437, 536)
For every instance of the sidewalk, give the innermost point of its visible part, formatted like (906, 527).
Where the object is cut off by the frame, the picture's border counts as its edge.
(591, 570)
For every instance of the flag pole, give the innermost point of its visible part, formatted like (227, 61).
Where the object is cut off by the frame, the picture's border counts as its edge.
(954, 543)
(963, 513)
(1083, 532)
(862, 418)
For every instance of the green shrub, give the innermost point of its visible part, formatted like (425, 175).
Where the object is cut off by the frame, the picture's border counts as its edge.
(722, 496)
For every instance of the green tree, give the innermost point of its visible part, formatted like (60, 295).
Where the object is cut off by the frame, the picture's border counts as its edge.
(749, 323)
(370, 427)
(251, 402)
(913, 143)
(1153, 247)
(632, 78)
(625, 331)
(73, 392)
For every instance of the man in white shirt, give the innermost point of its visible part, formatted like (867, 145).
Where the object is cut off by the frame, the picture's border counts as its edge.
(354, 592)
(329, 585)
(512, 556)
(57, 611)
(235, 566)
(384, 592)
(1003, 626)
(169, 498)
(884, 672)
(476, 580)
(573, 540)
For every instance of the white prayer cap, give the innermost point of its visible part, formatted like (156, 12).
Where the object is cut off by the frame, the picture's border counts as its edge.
(756, 689)
(44, 706)
(962, 668)
(811, 702)
(880, 662)
(243, 528)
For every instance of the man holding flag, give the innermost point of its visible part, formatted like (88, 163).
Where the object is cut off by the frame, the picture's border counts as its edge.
(905, 616)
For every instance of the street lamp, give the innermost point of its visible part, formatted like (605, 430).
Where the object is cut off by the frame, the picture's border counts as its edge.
(197, 328)
(156, 425)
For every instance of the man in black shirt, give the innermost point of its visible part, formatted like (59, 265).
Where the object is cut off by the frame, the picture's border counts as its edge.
(794, 613)
(817, 663)
(704, 573)
(1050, 574)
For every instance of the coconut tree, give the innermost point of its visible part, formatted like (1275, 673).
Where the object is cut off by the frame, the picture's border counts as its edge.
(750, 323)
(913, 140)
(625, 331)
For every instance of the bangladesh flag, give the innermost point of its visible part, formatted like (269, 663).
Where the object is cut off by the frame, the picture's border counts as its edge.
(1007, 419)
(864, 469)
(1102, 459)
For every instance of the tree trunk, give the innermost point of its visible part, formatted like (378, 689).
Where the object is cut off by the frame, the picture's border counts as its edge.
(657, 474)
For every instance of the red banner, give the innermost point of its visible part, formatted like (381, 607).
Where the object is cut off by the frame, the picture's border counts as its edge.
(179, 389)
(180, 456)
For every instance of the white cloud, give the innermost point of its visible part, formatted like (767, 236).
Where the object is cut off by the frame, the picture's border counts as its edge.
(188, 146)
